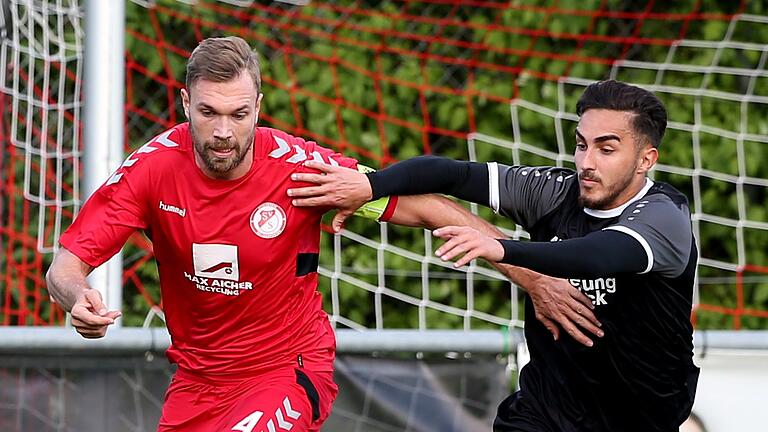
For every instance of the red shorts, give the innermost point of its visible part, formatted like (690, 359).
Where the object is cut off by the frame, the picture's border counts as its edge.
(294, 399)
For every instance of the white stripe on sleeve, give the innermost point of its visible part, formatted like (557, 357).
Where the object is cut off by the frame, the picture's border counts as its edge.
(640, 239)
(493, 186)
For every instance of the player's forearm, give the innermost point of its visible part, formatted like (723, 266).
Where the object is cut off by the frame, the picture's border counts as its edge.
(430, 174)
(66, 279)
(522, 277)
(597, 254)
(434, 211)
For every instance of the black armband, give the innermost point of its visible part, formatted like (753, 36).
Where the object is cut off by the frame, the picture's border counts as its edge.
(432, 174)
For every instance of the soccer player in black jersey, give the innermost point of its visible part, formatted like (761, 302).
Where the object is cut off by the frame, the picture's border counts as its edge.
(619, 237)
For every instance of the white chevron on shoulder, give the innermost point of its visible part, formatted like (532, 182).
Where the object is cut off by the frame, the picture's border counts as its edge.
(300, 155)
(317, 157)
(282, 148)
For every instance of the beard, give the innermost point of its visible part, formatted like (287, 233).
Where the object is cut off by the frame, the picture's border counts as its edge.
(600, 203)
(219, 165)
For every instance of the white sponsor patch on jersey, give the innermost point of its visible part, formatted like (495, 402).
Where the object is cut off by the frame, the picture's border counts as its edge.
(218, 261)
(268, 220)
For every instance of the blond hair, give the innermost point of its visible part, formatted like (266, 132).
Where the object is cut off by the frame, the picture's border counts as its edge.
(223, 59)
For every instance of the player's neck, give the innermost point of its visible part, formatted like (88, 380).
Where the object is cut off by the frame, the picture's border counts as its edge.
(631, 193)
(634, 192)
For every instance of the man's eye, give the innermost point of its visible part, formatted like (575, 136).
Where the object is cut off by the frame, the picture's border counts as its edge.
(239, 116)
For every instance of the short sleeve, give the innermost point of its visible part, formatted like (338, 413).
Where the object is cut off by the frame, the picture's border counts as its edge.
(526, 194)
(109, 217)
(663, 229)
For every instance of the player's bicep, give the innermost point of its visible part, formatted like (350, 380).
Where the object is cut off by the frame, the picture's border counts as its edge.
(664, 232)
(104, 223)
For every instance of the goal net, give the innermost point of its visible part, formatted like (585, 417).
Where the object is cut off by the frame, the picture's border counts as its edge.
(485, 81)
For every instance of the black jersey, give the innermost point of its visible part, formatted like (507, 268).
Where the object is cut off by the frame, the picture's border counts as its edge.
(637, 265)
(640, 376)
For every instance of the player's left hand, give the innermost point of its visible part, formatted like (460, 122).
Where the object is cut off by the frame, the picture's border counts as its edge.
(468, 241)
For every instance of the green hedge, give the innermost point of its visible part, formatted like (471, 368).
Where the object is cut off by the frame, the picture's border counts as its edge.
(452, 111)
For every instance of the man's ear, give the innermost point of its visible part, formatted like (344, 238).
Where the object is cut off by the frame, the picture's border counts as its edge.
(185, 102)
(648, 157)
(258, 106)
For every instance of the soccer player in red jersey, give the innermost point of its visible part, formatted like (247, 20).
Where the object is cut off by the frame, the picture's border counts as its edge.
(237, 262)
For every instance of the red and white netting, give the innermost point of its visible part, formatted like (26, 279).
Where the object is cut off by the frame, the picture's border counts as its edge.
(388, 80)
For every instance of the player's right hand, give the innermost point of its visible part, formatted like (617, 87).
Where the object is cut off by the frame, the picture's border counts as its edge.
(90, 316)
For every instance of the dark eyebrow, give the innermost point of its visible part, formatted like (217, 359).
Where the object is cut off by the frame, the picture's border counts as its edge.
(203, 105)
(580, 136)
(601, 138)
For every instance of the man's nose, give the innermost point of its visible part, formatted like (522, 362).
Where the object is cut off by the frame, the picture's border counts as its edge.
(222, 129)
(588, 159)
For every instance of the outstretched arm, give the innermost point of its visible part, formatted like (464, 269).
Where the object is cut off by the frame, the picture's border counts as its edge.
(67, 284)
(596, 254)
(555, 300)
(348, 189)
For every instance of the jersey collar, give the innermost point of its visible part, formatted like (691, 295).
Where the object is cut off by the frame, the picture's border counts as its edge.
(605, 214)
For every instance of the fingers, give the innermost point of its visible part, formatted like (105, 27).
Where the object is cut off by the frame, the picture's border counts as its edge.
(90, 316)
(308, 191)
(455, 236)
(90, 325)
(467, 241)
(587, 316)
(583, 306)
(469, 256)
(448, 231)
(84, 317)
(583, 299)
(113, 314)
(576, 334)
(318, 201)
(93, 298)
(338, 220)
(551, 326)
(550, 317)
(451, 248)
(89, 332)
(322, 167)
(583, 321)
(317, 178)
(309, 178)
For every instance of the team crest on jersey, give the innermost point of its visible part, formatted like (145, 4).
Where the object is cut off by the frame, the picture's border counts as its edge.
(268, 220)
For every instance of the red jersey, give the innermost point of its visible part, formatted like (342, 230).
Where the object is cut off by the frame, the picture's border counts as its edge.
(237, 262)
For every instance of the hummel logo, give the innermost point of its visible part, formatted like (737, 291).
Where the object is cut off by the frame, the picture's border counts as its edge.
(173, 209)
